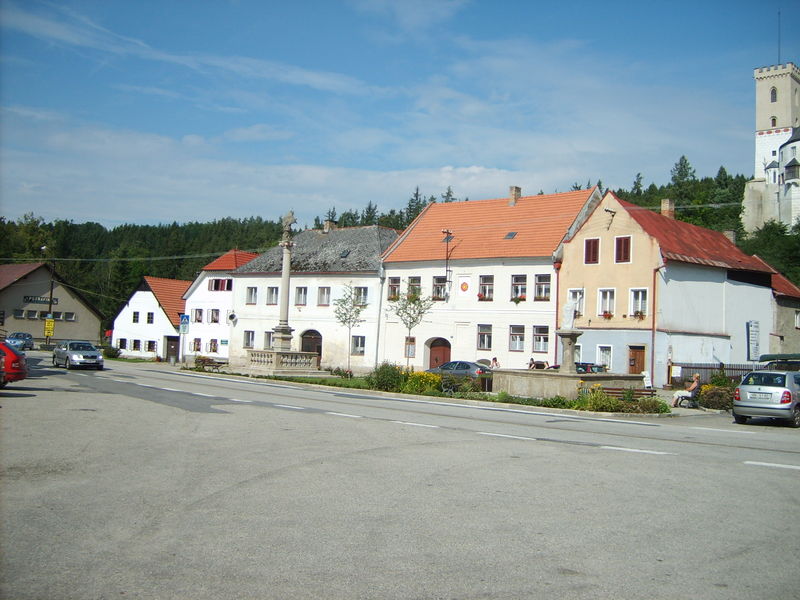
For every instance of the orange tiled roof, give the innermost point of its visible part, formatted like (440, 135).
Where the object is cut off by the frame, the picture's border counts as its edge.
(232, 259)
(169, 293)
(11, 273)
(783, 287)
(684, 242)
(480, 228)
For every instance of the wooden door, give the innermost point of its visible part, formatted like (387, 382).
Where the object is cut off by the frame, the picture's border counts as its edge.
(635, 359)
(440, 353)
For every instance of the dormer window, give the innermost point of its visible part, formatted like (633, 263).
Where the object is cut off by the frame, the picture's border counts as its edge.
(773, 95)
(511, 235)
(792, 170)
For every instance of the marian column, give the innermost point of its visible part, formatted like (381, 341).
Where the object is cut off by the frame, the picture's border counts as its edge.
(282, 334)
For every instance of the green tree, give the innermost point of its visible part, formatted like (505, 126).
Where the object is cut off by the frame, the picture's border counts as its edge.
(636, 190)
(410, 308)
(347, 311)
(448, 196)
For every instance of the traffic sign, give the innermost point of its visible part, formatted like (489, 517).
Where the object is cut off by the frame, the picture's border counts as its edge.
(49, 327)
(184, 323)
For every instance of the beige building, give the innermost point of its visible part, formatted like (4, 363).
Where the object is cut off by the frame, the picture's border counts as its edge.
(26, 300)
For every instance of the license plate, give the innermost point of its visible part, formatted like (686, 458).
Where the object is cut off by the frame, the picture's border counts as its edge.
(760, 395)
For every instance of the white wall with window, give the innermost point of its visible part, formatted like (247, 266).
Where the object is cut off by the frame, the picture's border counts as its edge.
(211, 296)
(141, 328)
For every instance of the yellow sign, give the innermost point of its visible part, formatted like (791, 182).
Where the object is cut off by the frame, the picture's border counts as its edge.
(49, 327)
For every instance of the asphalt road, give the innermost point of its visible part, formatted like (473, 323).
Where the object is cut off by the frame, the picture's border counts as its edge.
(142, 481)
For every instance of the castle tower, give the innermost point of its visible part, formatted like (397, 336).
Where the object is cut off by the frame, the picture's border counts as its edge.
(777, 111)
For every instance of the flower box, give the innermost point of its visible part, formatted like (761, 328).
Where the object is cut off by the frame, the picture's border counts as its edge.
(518, 299)
(607, 315)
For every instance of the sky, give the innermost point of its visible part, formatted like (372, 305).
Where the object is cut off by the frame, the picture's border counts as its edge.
(154, 111)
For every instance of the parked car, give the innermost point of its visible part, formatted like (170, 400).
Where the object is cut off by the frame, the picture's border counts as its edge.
(77, 353)
(25, 340)
(17, 344)
(781, 362)
(772, 393)
(15, 367)
(461, 368)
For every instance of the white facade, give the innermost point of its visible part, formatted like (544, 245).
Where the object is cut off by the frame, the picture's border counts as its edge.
(209, 303)
(475, 328)
(142, 329)
(311, 315)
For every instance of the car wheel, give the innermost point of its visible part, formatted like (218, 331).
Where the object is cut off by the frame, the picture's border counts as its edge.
(740, 419)
(67, 363)
(55, 362)
(795, 420)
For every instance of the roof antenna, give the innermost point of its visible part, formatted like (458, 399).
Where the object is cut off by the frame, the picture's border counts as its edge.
(779, 36)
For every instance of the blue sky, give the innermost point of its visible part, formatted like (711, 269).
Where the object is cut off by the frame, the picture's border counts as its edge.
(158, 111)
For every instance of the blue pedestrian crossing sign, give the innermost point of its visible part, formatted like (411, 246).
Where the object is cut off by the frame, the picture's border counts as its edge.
(184, 323)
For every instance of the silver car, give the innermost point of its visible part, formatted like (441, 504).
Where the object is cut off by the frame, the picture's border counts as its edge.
(774, 394)
(74, 354)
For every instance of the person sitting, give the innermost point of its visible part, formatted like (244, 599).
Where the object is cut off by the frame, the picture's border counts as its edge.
(532, 363)
(495, 364)
(688, 392)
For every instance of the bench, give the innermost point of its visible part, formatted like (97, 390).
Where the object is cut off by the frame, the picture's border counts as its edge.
(206, 362)
(637, 394)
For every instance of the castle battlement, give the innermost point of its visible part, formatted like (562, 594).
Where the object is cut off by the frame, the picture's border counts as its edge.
(777, 71)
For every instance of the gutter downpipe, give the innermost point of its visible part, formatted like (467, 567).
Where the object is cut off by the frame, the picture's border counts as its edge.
(557, 267)
(382, 277)
(653, 329)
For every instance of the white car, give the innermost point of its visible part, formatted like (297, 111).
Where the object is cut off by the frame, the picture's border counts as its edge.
(72, 354)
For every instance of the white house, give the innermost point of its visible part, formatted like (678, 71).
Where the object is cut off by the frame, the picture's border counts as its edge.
(324, 262)
(147, 326)
(209, 304)
(488, 265)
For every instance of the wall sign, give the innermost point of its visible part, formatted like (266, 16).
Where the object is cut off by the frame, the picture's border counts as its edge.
(38, 300)
(753, 351)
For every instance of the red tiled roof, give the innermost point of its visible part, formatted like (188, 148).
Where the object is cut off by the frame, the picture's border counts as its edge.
(12, 273)
(169, 293)
(783, 287)
(232, 259)
(479, 228)
(683, 242)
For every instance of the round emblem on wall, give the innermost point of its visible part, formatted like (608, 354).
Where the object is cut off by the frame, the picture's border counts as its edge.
(464, 286)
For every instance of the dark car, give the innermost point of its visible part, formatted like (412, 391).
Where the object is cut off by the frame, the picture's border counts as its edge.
(22, 340)
(15, 368)
(461, 368)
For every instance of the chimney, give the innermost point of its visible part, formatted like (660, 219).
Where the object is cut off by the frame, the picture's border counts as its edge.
(730, 234)
(328, 226)
(514, 194)
(668, 208)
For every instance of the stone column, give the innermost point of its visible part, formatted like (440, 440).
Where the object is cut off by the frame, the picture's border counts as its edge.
(569, 338)
(282, 334)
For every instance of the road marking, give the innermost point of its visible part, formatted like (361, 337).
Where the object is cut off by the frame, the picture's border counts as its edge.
(170, 390)
(145, 385)
(204, 395)
(775, 465)
(416, 424)
(502, 435)
(637, 450)
(725, 430)
(289, 406)
(245, 401)
(337, 414)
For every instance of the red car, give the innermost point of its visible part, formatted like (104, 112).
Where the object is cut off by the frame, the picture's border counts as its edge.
(14, 366)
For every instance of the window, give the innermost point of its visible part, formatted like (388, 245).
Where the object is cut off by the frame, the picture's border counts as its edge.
(622, 250)
(300, 296)
(323, 296)
(542, 291)
(249, 339)
(357, 345)
(267, 340)
(519, 286)
(415, 285)
(605, 302)
(137, 345)
(484, 337)
(486, 288)
(361, 296)
(773, 121)
(213, 346)
(578, 353)
(411, 347)
(638, 303)
(220, 285)
(394, 288)
(576, 296)
(150, 318)
(604, 356)
(797, 319)
(213, 315)
(19, 313)
(43, 314)
(541, 338)
(70, 316)
(122, 343)
(135, 316)
(516, 338)
(272, 295)
(32, 314)
(197, 315)
(151, 345)
(252, 295)
(591, 251)
(57, 316)
(792, 172)
(773, 95)
(196, 344)
(439, 287)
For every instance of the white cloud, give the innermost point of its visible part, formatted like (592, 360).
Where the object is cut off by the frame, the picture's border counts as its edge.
(256, 133)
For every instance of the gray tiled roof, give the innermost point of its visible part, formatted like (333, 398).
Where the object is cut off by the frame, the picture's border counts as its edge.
(346, 250)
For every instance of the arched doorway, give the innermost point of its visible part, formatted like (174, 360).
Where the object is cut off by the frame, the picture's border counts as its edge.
(440, 352)
(311, 341)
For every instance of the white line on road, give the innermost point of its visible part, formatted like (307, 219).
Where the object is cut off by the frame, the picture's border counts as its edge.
(636, 450)
(289, 406)
(502, 435)
(245, 401)
(205, 395)
(170, 390)
(724, 430)
(337, 414)
(416, 424)
(775, 465)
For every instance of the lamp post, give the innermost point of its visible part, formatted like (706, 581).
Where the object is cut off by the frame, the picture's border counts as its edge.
(47, 329)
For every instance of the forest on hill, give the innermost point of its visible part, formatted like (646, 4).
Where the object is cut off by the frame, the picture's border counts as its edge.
(106, 265)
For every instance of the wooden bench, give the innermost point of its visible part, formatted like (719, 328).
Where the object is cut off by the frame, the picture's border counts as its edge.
(637, 394)
(206, 362)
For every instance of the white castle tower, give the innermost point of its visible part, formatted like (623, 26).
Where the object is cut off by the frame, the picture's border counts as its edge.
(773, 194)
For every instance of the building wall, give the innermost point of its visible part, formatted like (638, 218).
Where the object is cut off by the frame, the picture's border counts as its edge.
(456, 319)
(73, 319)
(200, 297)
(785, 335)
(142, 302)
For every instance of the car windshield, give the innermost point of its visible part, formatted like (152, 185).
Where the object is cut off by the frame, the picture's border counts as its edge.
(766, 379)
(81, 346)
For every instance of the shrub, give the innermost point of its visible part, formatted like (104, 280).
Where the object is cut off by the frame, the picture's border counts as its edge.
(595, 399)
(387, 377)
(343, 373)
(111, 352)
(716, 397)
(719, 379)
(652, 405)
(422, 383)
